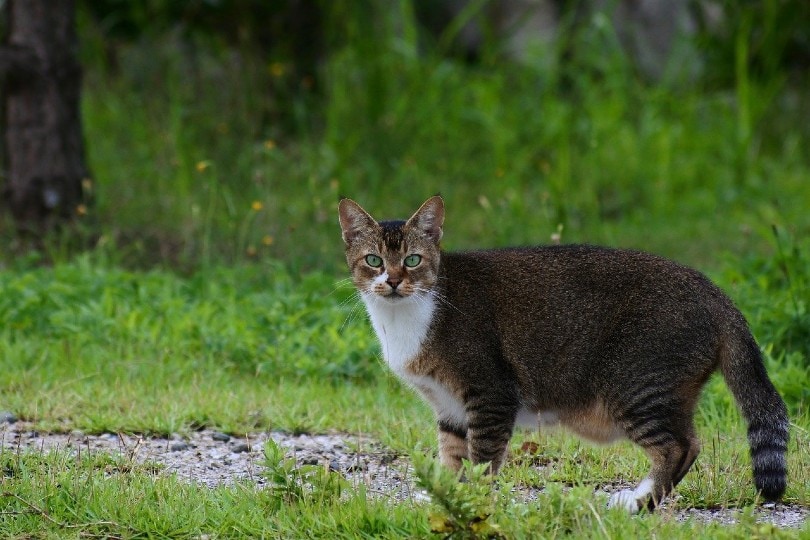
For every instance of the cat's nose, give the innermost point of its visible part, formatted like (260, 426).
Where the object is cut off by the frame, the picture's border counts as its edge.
(393, 282)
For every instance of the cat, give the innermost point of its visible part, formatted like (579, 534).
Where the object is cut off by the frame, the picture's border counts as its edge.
(609, 343)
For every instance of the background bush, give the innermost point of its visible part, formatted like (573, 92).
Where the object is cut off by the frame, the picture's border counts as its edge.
(217, 133)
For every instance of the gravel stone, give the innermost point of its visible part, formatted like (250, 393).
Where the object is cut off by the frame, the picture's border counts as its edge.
(240, 448)
(221, 437)
(388, 458)
(7, 417)
(359, 459)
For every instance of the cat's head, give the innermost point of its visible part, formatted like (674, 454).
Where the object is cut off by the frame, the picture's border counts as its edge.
(393, 260)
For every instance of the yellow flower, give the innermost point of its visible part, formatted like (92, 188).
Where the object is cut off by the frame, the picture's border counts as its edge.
(202, 166)
(81, 210)
(268, 240)
(277, 69)
(256, 206)
(269, 144)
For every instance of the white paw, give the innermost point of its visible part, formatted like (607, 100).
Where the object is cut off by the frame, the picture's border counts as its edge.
(626, 499)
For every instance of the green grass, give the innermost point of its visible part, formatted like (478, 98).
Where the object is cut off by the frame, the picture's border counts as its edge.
(86, 345)
(68, 496)
(64, 496)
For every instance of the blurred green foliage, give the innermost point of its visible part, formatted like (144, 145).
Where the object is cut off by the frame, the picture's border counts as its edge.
(226, 131)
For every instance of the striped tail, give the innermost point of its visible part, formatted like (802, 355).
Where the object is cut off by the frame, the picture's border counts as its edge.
(742, 366)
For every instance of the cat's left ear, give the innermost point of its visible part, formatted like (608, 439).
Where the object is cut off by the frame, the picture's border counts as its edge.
(429, 218)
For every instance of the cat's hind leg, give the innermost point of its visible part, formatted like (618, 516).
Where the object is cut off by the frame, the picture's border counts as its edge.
(672, 455)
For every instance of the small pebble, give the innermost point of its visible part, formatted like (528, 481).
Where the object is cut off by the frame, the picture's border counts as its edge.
(219, 436)
(178, 446)
(240, 448)
(7, 417)
(388, 458)
(334, 466)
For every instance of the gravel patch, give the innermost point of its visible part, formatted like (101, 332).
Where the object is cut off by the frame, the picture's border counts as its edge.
(214, 458)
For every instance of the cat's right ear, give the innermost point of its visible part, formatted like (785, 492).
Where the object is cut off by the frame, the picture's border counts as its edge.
(354, 221)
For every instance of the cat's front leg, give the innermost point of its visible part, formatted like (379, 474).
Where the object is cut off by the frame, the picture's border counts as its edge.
(453, 446)
(489, 429)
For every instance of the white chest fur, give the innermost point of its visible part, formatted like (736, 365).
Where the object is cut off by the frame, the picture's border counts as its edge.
(401, 327)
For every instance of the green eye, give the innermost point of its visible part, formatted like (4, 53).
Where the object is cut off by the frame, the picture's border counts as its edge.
(373, 261)
(412, 260)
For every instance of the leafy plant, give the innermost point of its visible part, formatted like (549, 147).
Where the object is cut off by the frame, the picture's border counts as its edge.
(294, 484)
(463, 509)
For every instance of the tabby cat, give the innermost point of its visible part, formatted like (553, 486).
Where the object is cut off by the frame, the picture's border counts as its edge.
(610, 343)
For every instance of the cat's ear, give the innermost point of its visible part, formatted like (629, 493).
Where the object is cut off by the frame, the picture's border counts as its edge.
(429, 218)
(354, 221)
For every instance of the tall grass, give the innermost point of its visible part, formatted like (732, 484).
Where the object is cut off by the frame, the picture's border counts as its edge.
(187, 140)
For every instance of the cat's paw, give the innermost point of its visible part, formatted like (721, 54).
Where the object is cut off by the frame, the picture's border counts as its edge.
(626, 499)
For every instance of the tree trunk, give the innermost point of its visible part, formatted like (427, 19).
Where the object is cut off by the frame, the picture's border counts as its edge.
(46, 178)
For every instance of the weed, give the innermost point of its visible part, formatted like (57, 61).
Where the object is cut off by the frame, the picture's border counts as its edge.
(464, 509)
(294, 484)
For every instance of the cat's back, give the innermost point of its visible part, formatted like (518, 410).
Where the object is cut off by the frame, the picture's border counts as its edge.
(584, 279)
(586, 265)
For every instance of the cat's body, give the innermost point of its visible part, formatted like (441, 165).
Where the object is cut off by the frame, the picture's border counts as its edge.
(609, 343)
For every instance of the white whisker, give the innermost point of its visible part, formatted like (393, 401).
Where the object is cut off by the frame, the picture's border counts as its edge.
(341, 284)
(356, 307)
(439, 297)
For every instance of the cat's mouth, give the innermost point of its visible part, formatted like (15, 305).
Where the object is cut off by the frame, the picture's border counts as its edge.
(394, 296)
